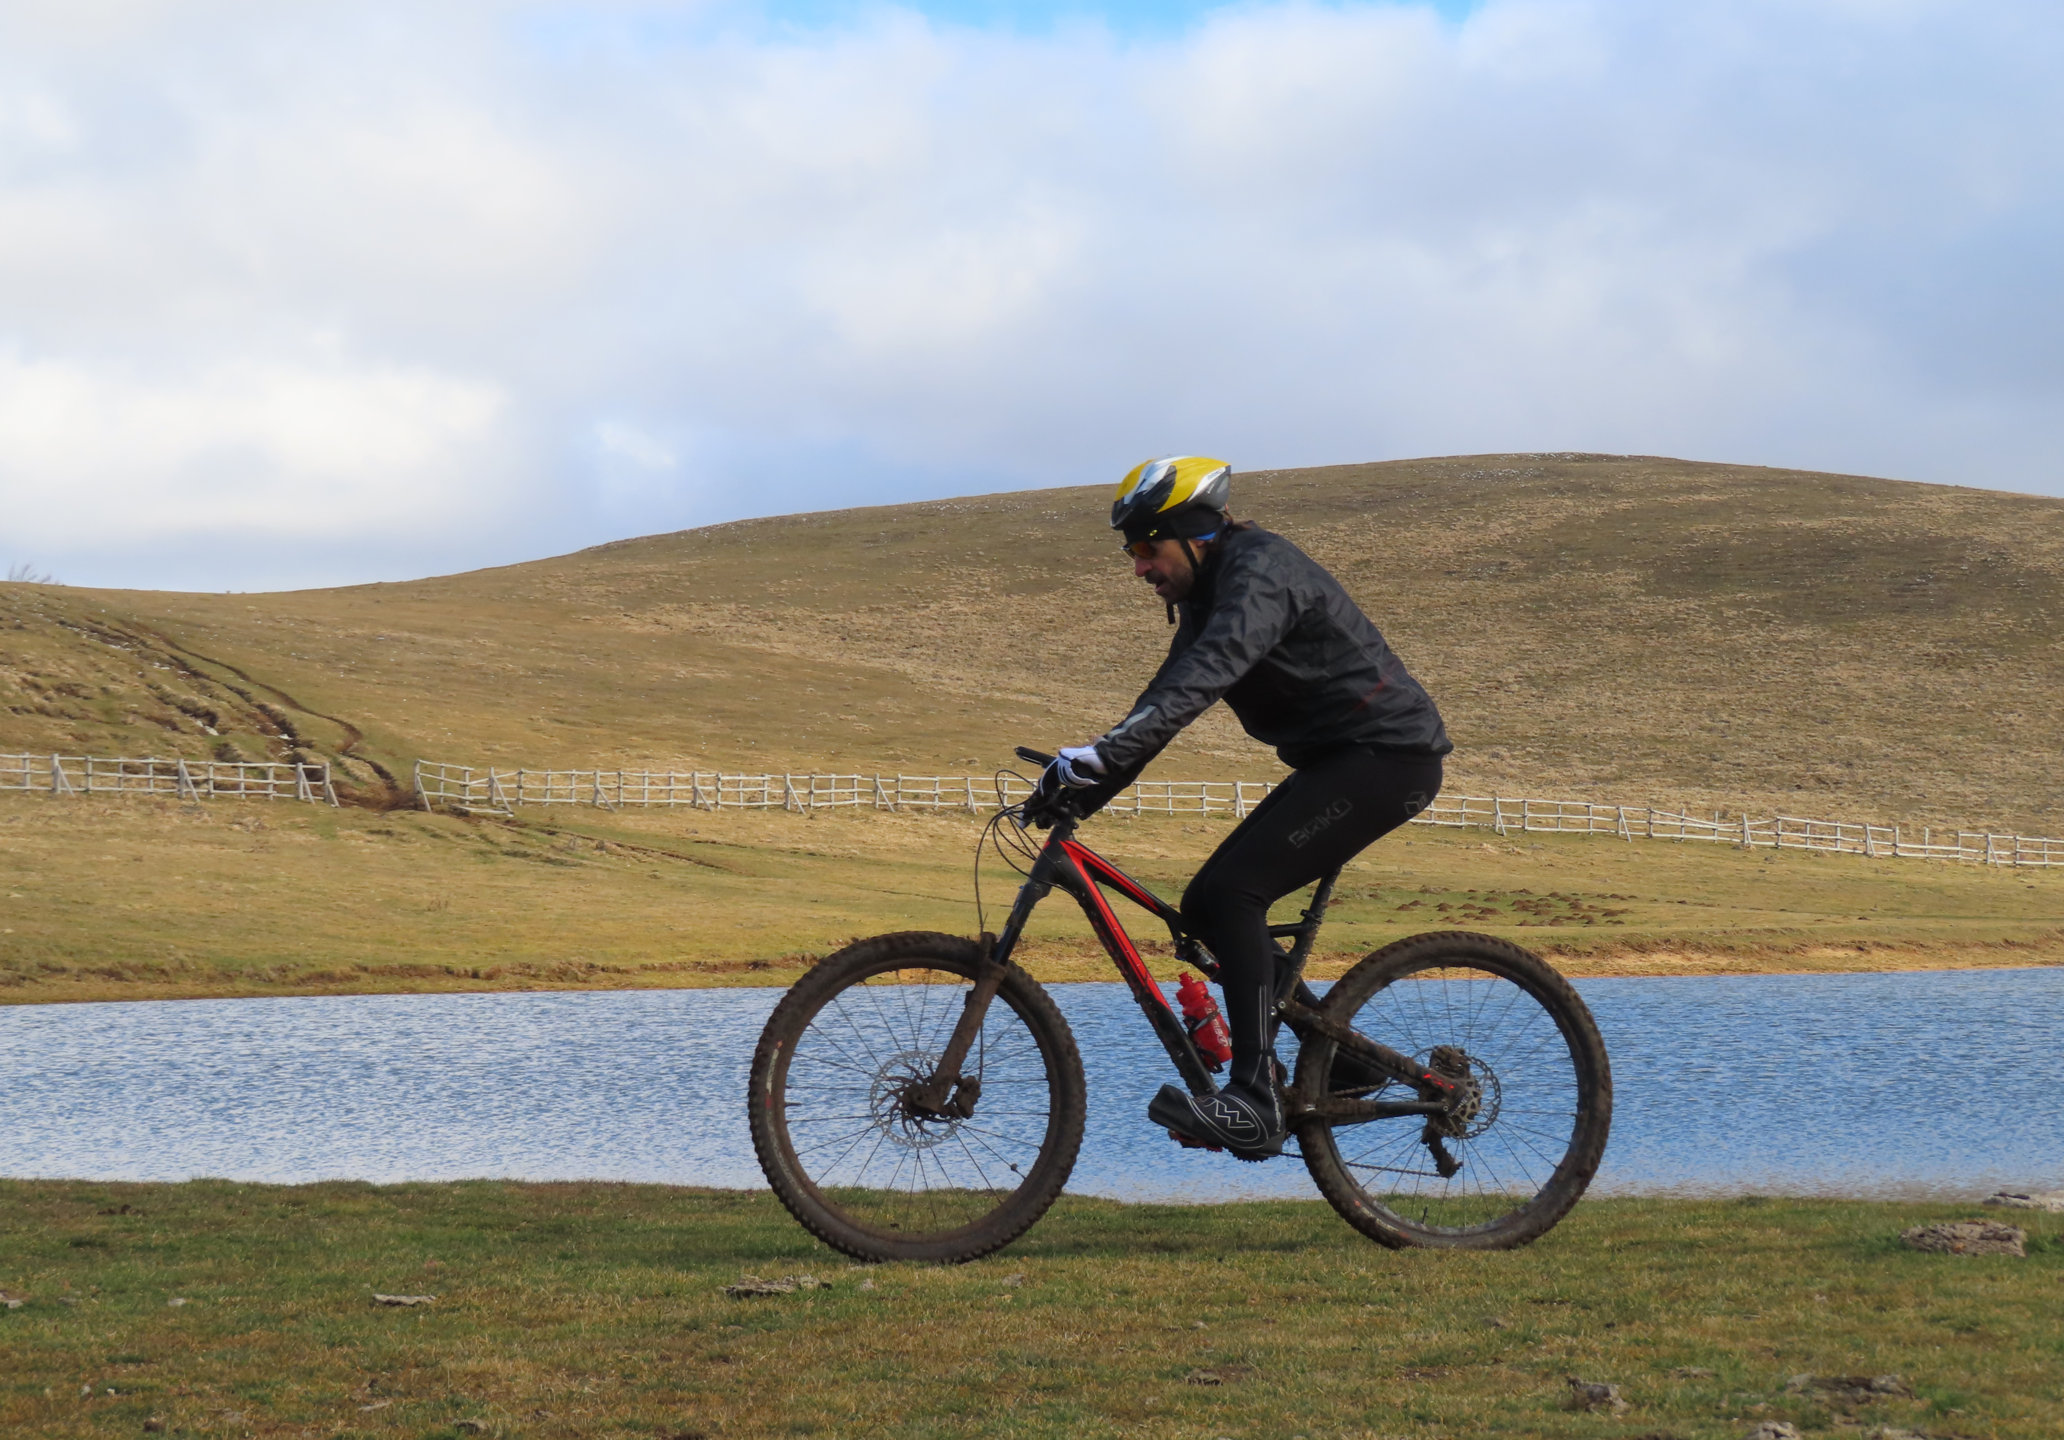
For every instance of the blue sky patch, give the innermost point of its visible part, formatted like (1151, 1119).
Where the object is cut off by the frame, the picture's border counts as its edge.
(1124, 17)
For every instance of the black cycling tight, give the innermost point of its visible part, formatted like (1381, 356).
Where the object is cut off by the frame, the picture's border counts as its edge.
(1314, 822)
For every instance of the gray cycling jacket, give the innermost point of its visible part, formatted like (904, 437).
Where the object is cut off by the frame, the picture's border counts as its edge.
(1270, 632)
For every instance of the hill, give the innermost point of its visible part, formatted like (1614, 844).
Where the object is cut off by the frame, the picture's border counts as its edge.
(1619, 627)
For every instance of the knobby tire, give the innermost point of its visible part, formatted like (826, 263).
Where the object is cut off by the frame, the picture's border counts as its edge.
(1532, 1041)
(863, 1174)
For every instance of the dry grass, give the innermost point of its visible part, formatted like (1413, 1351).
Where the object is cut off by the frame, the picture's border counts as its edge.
(598, 1311)
(140, 899)
(1627, 628)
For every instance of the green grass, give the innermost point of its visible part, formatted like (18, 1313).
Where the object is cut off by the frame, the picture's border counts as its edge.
(598, 1310)
(135, 899)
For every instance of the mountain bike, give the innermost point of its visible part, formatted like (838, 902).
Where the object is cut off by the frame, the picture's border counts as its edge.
(918, 1096)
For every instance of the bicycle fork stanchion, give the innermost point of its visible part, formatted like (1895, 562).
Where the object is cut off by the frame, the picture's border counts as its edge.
(946, 1094)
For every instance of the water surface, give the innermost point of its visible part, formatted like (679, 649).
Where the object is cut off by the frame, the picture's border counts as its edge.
(1933, 1083)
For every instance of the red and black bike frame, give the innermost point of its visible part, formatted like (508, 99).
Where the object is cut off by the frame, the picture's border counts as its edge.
(1066, 863)
(1063, 862)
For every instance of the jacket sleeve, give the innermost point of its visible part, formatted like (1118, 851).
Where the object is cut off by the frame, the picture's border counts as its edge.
(1252, 611)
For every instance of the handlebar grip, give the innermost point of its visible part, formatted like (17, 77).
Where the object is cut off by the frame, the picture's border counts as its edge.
(1033, 757)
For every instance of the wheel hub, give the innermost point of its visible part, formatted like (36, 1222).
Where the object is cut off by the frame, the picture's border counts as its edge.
(1477, 1093)
(889, 1100)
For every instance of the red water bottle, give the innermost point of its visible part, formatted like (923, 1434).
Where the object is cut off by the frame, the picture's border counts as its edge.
(1201, 1018)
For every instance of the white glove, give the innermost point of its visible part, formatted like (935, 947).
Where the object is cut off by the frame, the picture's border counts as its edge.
(1080, 766)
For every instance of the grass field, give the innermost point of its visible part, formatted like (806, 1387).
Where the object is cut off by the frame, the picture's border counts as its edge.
(599, 1311)
(1620, 628)
(135, 899)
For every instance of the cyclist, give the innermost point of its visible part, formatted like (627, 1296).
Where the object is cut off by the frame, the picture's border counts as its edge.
(1264, 627)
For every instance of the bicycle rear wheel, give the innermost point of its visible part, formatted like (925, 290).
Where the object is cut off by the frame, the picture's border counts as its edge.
(863, 1170)
(1474, 1005)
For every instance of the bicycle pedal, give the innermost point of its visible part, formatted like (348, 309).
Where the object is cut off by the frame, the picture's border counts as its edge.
(1188, 1144)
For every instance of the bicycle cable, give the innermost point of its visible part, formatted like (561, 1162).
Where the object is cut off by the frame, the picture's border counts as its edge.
(995, 834)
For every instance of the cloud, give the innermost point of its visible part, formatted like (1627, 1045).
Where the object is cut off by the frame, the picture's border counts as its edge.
(245, 451)
(391, 287)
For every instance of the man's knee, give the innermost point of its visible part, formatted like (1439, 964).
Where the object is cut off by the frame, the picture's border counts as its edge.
(1210, 906)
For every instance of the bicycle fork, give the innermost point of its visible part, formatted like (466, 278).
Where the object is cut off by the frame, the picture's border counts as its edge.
(949, 1093)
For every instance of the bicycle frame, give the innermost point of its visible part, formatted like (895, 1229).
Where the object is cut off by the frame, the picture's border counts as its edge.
(1074, 867)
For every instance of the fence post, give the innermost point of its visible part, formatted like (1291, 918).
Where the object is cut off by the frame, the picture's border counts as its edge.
(301, 790)
(1745, 830)
(1497, 815)
(495, 795)
(329, 791)
(60, 784)
(788, 800)
(187, 790)
(416, 779)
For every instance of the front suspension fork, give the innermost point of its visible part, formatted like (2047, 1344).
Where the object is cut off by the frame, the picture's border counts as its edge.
(946, 1094)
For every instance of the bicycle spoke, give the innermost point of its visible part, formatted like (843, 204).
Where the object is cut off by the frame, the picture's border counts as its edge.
(1518, 1058)
(907, 1170)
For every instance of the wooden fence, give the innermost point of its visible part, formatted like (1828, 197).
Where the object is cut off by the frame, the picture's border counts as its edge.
(500, 791)
(1509, 814)
(183, 779)
(493, 791)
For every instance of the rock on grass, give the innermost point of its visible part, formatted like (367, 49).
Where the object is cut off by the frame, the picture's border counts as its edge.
(1967, 1237)
(2050, 1200)
(1592, 1395)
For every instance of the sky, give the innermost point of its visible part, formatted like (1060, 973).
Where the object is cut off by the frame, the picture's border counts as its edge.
(296, 292)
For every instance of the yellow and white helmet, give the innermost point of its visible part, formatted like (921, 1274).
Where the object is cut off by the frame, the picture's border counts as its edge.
(1181, 497)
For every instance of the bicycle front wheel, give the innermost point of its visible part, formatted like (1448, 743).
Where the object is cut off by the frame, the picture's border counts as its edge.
(876, 1177)
(1505, 1169)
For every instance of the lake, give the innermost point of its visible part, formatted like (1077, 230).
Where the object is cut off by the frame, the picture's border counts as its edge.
(1940, 1083)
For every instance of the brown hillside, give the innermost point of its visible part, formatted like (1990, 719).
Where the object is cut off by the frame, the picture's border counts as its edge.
(1623, 628)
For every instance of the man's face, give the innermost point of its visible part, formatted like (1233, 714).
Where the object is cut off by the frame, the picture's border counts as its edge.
(1166, 567)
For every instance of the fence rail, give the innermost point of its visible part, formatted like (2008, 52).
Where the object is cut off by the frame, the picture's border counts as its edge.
(184, 779)
(500, 791)
(1508, 814)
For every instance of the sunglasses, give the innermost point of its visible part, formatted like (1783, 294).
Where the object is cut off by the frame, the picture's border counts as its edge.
(1147, 549)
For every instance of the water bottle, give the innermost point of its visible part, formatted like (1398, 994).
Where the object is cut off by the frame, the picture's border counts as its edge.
(1201, 1018)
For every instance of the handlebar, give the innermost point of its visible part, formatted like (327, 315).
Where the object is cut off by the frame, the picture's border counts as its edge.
(1033, 757)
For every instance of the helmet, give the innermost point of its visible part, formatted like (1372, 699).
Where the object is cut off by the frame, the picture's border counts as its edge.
(1180, 498)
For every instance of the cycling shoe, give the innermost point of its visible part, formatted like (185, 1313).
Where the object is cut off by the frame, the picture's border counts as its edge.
(1246, 1121)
